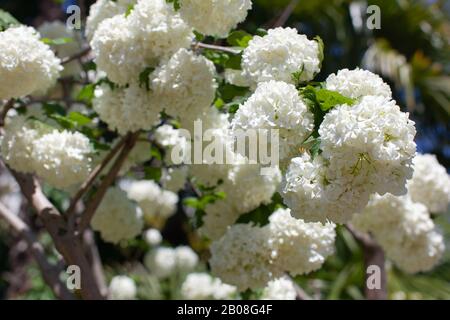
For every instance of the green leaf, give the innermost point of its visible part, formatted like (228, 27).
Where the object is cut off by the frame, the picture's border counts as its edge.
(152, 173)
(261, 32)
(234, 62)
(198, 36)
(86, 94)
(156, 153)
(176, 4)
(239, 38)
(63, 121)
(321, 49)
(144, 78)
(53, 108)
(129, 10)
(57, 41)
(7, 20)
(297, 75)
(329, 99)
(79, 119)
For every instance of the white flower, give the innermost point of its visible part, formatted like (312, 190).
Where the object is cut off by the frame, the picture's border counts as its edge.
(126, 110)
(27, 65)
(56, 30)
(358, 83)
(430, 184)
(17, 143)
(299, 247)
(242, 257)
(117, 218)
(62, 159)
(174, 179)
(405, 231)
(214, 17)
(279, 54)
(236, 78)
(202, 286)
(187, 259)
(161, 262)
(156, 204)
(276, 105)
(122, 288)
(102, 10)
(153, 237)
(184, 86)
(279, 289)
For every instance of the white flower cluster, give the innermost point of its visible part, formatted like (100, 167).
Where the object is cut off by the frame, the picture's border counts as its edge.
(102, 10)
(62, 159)
(214, 17)
(124, 46)
(279, 289)
(157, 204)
(366, 148)
(249, 257)
(174, 179)
(430, 184)
(57, 30)
(153, 237)
(173, 140)
(276, 105)
(27, 65)
(122, 288)
(405, 231)
(126, 109)
(358, 83)
(165, 261)
(117, 218)
(202, 286)
(279, 54)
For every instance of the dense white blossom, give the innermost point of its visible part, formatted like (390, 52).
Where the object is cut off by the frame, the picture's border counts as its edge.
(184, 86)
(279, 54)
(117, 218)
(187, 259)
(276, 105)
(122, 288)
(214, 17)
(126, 110)
(102, 10)
(236, 78)
(405, 231)
(242, 257)
(164, 261)
(279, 289)
(358, 83)
(27, 65)
(62, 159)
(430, 184)
(299, 247)
(157, 204)
(202, 286)
(58, 30)
(153, 237)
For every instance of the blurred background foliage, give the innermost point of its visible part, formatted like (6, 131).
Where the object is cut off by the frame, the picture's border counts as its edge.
(411, 51)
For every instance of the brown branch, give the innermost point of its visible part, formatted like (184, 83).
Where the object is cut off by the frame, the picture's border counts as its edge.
(65, 242)
(108, 180)
(76, 56)
(8, 106)
(373, 256)
(216, 47)
(49, 272)
(70, 213)
(284, 17)
(95, 260)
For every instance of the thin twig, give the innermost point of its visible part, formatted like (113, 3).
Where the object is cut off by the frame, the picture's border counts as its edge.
(70, 213)
(284, 17)
(49, 272)
(216, 47)
(107, 181)
(76, 56)
(8, 106)
(95, 260)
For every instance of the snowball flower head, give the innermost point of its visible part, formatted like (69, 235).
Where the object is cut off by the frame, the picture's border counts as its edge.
(214, 17)
(202, 286)
(187, 259)
(184, 86)
(430, 184)
(276, 105)
(279, 54)
(62, 159)
(117, 218)
(122, 288)
(153, 237)
(358, 83)
(27, 65)
(279, 289)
